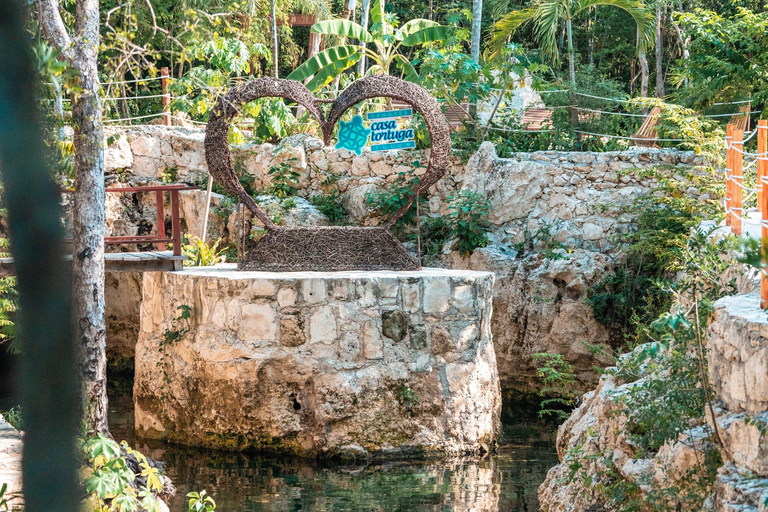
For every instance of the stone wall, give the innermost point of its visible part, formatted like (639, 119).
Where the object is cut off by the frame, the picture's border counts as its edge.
(540, 201)
(319, 364)
(556, 216)
(738, 370)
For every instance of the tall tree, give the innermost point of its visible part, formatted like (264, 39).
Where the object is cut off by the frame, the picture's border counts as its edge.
(275, 43)
(477, 19)
(659, 51)
(366, 7)
(81, 51)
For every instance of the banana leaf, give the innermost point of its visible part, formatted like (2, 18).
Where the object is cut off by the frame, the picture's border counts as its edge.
(328, 73)
(414, 26)
(409, 71)
(427, 35)
(322, 60)
(343, 28)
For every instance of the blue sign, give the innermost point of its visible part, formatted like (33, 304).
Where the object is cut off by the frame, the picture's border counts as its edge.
(384, 133)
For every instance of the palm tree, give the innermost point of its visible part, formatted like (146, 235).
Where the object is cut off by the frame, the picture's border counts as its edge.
(386, 39)
(547, 16)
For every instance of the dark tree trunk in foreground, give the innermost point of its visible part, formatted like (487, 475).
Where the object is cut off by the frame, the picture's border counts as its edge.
(88, 214)
(48, 389)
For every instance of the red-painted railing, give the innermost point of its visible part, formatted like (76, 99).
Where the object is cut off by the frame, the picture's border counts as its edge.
(161, 237)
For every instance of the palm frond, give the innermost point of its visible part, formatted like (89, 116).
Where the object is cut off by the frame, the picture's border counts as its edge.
(640, 12)
(547, 20)
(506, 27)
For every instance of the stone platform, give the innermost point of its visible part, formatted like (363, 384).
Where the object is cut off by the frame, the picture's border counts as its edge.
(319, 364)
(738, 371)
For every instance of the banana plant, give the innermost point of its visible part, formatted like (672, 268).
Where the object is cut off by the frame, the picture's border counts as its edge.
(385, 37)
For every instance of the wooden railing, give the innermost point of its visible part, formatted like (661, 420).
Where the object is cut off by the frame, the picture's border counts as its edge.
(161, 237)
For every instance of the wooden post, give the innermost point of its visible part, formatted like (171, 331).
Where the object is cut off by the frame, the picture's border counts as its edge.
(160, 220)
(762, 175)
(762, 161)
(728, 166)
(737, 159)
(166, 97)
(175, 223)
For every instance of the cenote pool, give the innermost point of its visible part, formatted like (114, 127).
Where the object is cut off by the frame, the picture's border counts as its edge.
(505, 481)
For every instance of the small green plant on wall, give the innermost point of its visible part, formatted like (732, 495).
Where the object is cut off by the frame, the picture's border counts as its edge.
(283, 180)
(559, 381)
(200, 253)
(173, 334)
(408, 399)
(467, 213)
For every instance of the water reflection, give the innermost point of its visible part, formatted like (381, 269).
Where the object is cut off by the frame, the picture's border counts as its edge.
(505, 481)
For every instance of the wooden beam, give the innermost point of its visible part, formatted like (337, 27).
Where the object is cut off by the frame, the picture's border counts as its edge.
(147, 261)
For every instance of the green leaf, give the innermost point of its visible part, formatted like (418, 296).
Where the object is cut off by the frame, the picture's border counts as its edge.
(377, 13)
(343, 28)
(322, 60)
(102, 445)
(414, 26)
(329, 72)
(427, 35)
(126, 503)
(410, 72)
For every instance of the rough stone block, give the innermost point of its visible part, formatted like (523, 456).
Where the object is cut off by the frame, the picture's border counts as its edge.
(317, 374)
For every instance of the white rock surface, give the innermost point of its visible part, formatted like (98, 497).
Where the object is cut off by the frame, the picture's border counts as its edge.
(319, 363)
(11, 447)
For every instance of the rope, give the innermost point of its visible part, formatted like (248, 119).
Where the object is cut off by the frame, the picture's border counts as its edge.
(735, 114)
(736, 180)
(138, 97)
(628, 138)
(137, 80)
(518, 131)
(132, 118)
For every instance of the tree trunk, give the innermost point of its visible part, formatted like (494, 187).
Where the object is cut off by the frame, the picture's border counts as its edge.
(366, 7)
(88, 212)
(659, 54)
(88, 218)
(572, 74)
(643, 71)
(592, 25)
(275, 44)
(477, 18)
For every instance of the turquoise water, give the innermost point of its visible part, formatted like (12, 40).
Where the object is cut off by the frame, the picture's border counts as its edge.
(504, 481)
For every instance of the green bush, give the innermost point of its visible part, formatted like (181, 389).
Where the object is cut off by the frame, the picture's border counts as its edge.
(389, 202)
(283, 180)
(631, 296)
(330, 206)
(467, 214)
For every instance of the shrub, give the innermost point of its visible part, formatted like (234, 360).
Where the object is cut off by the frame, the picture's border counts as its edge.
(284, 181)
(200, 253)
(330, 206)
(467, 218)
(389, 202)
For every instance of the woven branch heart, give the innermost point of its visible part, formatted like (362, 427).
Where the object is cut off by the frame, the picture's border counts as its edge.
(219, 157)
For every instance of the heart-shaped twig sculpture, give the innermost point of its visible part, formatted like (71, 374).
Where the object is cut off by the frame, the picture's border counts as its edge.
(219, 159)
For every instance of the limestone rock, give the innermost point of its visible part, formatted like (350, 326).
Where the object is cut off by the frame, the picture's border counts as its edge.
(11, 446)
(318, 364)
(539, 307)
